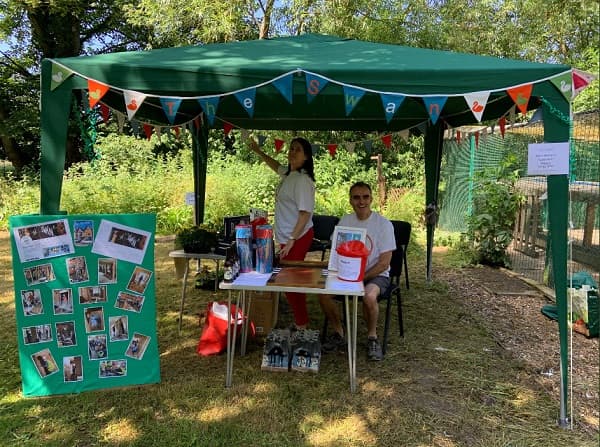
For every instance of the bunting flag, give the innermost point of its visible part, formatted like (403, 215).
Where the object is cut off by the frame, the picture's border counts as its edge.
(332, 148)
(434, 106)
(278, 144)
(350, 147)
(315, 148)
(96, 90)
(261, 140)
(133, 101)
(477, 140)
(284, 85)
(59, 75)
(564, 84)
(458, 137)
(209, 107)
(387, 140)
(135, 127)
(511, 115)
(227, 128)
(581, 80)
(352, 96)
(391, 104)
(158, 131)
(502, 124)
(147, 130)
(477, 102)
(520, 95)
(170, 107)
(245, 133)
(104, 112)
(197, 122)
(404, 134)
(246, 99)
(120, 121)
(314, 85)
(176, 129)
(368, 145)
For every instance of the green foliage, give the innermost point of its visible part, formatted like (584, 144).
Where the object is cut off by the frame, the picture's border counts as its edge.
(408, 207)
(196, 239)
(495, 203)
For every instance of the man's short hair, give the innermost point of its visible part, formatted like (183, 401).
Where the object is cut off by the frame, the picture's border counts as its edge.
(360, 185)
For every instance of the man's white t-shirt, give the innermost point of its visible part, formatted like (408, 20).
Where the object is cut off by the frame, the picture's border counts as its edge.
(295, 193)
(379, 230)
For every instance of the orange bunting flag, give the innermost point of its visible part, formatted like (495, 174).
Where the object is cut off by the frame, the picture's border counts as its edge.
(197, 122)
(458, 137)
(477, 140)
(278, 144)
(502, 123)
(96, 90)
(227, 128)
(176, 129)
(104, 112)
(148, 130)
(387, 140)
(332, 148)
(520, 95)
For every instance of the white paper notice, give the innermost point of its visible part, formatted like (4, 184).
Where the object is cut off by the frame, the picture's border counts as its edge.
(548, 159)
(121, 242)
(252, 279)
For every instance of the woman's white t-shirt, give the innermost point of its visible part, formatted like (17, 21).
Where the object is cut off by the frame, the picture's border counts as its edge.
(295, 193)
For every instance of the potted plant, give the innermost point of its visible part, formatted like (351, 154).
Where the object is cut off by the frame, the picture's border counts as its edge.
(196, 239)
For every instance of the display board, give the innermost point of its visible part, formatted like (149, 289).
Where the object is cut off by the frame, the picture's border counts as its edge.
(85, 301)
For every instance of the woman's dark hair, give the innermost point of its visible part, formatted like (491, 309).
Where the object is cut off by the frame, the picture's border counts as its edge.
(308, 164)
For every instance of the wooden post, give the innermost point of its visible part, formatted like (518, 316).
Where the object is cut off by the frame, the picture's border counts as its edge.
(380, 180)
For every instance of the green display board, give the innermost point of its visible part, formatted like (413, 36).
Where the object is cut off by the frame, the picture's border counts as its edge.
(85, 301)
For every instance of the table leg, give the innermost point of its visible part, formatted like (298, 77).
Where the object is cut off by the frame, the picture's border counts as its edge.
(231, 339)
(351, 339)
(217, 276)
(185, 277)
(245, 320)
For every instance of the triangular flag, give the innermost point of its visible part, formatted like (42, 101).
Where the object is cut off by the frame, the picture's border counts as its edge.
(176, 130)
(245, 133)
(59, 75)
(434, 106)
(170, 107)
(564, 84)
(104, 112)
(404, 134)
(197, 122)
(246, 99)
(314, 85)
(148, 130)
(520, 95)
(352, 96)
(227, 128)
(120, 121)
(511, 115)
(350, 147)
(315, 148)
(278, 144)
(158, 131)
(332, 148)
(284, 85)
(391, 104)
(209, 107)
(133, 101)
(368, 145)
(477, 102)
(477, 140)
(387, 140)
(261, 140)
(581, 80)
(96, 90)
(135, 127)
(458, 137)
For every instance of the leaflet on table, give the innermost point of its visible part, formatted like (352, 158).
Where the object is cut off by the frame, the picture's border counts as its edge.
(44, 240)
(337, 284)
(252, 279)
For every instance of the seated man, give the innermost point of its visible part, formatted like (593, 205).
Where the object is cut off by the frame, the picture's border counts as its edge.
(376, 278)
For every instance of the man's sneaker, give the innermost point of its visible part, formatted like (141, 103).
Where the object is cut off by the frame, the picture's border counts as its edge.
(374, 352)
(333, 343)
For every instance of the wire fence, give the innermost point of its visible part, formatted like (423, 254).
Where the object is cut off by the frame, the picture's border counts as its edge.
(480, 148)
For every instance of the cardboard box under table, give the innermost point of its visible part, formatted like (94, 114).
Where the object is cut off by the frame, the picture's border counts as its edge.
(263, 311)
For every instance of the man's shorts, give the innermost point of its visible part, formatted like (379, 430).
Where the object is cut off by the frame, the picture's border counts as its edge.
(383, 282)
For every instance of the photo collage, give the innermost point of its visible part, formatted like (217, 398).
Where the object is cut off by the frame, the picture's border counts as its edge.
(84, 307)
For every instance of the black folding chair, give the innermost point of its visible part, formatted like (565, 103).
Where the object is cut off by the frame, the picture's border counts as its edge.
(323, 227)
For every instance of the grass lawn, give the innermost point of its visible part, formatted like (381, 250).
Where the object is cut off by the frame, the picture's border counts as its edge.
(447, 383)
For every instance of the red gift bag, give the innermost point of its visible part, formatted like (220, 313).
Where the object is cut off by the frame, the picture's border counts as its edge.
(213, 339)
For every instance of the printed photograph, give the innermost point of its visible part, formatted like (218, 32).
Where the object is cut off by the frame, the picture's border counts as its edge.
(62, 301)
(45, 240)
(97, 348)
(94, 319)
(139, 280)
(32, 302)
(137, 346)
(37, 334)
(118, 328)
(107, 271)
(77, 269)
(92, 294)
(39, 274)
(44, 363)
(73, 368)
(127, 238)
(113, 368)
(129, 301)
(65, 334)
(118, 241)
(83, 232)
(56, 250)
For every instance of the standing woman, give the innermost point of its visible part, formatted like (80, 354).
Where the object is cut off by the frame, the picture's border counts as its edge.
(294, 206)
